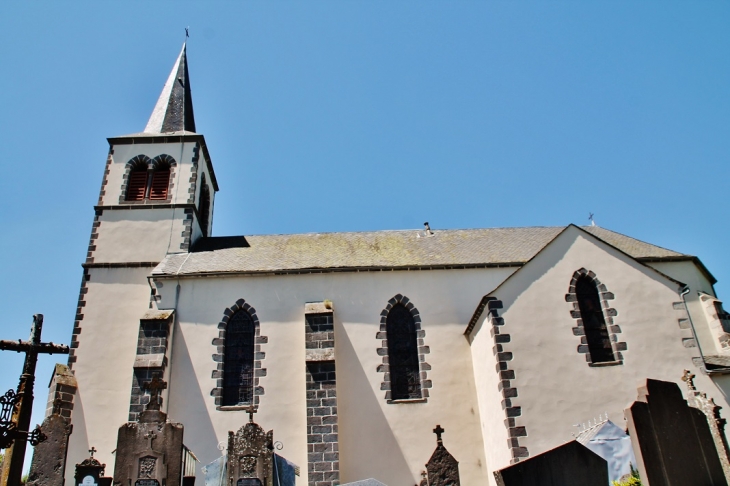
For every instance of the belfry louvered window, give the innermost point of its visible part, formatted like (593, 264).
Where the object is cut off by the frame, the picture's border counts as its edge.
(160, 183)
(597, 335)
(405, 378)
(204, 206)
(238, 368)
(137, 184)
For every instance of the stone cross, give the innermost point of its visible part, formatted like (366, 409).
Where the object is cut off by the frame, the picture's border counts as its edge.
(150, 436)
(251, 410)
(13, 469)
(438, 431)
(155, 387)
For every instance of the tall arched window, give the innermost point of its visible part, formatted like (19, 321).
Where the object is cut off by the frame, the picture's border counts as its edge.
(137, 182)
(160, 180)
(238, 366)
(204, 206)
(405, 379)
(591, 313)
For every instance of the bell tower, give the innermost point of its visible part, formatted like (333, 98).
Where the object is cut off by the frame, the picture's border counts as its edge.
(156, 198)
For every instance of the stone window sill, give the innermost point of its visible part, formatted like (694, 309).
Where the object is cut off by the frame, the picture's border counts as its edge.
(409, 400)
(605, 363)
(232, 408)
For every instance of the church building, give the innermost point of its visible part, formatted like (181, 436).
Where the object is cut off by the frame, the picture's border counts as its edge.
(354, 348)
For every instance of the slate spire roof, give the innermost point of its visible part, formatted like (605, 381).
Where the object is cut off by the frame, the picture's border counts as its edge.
(174, 109)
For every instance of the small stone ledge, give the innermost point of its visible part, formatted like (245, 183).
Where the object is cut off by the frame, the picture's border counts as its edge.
(233, 408)
(150, 360)
(318, 308)
(325, 354)
(408, 400)
(603, 364)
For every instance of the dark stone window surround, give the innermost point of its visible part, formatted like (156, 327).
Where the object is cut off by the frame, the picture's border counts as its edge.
(423, 350)
(608, 313)
(218, 356)
(78, 318)
(506, 384)
(151, 164)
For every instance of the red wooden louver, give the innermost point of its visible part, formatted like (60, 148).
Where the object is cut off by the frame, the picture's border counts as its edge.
(137, 185)
(160, 182)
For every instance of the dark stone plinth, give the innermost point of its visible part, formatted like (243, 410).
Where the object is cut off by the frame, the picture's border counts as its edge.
(672, 441)
(152, 416)
(49, 457)
(148, 452)
(571, 464)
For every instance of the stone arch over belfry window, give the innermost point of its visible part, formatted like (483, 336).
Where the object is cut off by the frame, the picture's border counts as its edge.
(403, 350)
(238, 358)
(595, 320)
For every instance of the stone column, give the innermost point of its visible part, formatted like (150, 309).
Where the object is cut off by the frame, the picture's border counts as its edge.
(322, 434)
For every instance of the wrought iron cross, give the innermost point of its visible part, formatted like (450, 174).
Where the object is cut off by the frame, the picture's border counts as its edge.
(251, 410)
(92, 451)
(20, 422)
(154, 387)
(438, 431)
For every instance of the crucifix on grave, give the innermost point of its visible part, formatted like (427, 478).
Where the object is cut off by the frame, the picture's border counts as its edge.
(250, 410)
(155, 386)
(15, 431)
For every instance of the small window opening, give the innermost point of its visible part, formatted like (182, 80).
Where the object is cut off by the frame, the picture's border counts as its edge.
(723, 316)
(238, 366)
(137, 184)
(589, 302)
(160, 184)
(204, 207)
(405, 378)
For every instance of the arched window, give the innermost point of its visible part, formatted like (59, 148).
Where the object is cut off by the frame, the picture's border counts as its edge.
(405, 379)
(204, 206)
(594, 324)
(238, 366)
(137, 181)
(160, 182)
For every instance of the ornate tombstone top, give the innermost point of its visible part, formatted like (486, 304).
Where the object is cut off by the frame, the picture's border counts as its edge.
(90, 472)
(250, 455)
(442, 468)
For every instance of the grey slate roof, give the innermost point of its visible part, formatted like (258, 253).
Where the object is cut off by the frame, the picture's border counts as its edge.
(174, 109)
(382, 250)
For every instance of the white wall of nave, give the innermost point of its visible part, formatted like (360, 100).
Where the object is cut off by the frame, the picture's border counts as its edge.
(388, 441)
(115, 301)
(556, 387)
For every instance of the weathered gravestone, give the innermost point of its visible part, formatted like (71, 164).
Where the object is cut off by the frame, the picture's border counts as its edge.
(150, 451)
(90, 472)
(570, 464)
(442, 469)
(251, 455)
(672, 441)
(49, 457)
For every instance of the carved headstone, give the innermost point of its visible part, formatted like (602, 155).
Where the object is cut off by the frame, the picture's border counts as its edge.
(672, 441)
(570, 464)
(150, 452)
(250, 455)
(442, 469)
(711, 410)
(90, 472)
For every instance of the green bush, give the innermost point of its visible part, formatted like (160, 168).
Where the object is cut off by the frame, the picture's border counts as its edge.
(632, 480)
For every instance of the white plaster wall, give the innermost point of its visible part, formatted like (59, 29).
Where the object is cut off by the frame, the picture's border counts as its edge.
(182, 152)
(390, 442)
(688, 273)
(116, 300)
(486, 378)
(138, 235)
(556, 387)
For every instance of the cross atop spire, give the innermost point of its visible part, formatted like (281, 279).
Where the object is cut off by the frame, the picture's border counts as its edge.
(174, 109)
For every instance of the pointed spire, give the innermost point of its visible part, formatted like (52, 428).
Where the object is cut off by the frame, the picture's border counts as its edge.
(174, 109)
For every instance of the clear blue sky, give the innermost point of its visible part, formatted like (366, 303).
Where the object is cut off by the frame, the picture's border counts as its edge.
(349, 116)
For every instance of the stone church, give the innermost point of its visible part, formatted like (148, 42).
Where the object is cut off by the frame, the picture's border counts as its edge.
(353, 348)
